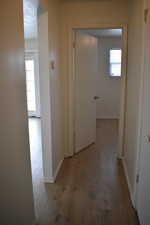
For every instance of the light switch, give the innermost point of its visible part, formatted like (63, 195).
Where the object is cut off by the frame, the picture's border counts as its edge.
(52, 64)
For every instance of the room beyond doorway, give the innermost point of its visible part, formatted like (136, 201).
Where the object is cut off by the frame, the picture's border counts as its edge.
(115, 58)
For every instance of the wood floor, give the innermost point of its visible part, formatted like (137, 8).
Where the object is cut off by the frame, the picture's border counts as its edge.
(90, 189)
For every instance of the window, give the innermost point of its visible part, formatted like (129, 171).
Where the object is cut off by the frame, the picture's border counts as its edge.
(115, 57)
(30, 83)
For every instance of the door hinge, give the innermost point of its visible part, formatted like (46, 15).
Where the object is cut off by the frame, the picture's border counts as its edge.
(74, 44)
(74, 135)
(146, 12)
(137, 178)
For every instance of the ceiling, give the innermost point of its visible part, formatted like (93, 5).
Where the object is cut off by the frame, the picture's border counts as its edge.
(30, 23)
(104, 32)
(30, 18)
(84, 0)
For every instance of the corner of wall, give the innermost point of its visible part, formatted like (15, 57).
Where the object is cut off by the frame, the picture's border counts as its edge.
(52, 179)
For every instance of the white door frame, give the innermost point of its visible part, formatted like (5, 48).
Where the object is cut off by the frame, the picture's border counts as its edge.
(140, 117)
(71, 69)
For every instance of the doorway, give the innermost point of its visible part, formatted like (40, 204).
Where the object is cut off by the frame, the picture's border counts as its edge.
(39, 93)
(33, 87)
(99, 84)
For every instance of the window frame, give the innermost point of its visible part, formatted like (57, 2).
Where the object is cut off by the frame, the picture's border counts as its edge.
(110, 74)
(34, 56)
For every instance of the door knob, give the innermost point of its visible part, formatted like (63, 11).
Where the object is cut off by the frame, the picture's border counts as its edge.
(96, 97)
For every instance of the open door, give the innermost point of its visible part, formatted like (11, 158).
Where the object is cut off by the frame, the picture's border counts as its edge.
(86, 54)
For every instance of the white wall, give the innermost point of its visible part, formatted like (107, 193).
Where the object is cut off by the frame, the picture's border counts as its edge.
(16, 198)
(46, 120)
(81, 12)
(56, 82)
(84, 14)
(108, 88)
(51, 97)
(133, 91)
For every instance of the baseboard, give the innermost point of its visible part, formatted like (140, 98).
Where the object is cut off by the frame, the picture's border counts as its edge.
(128, 183)
(52, 179)
(68, 155)
(57, 170)
(48, 180)
(107, 118)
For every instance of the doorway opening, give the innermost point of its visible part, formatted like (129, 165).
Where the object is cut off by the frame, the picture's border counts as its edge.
(38, 94)
(99, 85)
(33, 87)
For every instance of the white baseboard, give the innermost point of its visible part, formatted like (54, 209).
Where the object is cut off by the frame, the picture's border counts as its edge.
(49, 180)
(52, 179)
(57, 170)
(107, 118)
(68, 155)
(128, 183)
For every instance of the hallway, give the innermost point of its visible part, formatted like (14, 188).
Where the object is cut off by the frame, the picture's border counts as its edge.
(90, 189)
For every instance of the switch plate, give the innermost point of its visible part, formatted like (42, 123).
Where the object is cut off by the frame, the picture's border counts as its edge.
(52, 64)
(148, 138)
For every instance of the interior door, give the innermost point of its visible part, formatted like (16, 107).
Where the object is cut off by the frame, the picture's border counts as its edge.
(86, 54)
(143, 206)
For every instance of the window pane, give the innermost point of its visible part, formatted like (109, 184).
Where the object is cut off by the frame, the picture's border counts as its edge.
(115, 56)
(115, 69)
(30, 75)
(30, 82)
(29, 65)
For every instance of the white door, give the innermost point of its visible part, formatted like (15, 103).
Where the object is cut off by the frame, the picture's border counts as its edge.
(86, 54)
(143, 205)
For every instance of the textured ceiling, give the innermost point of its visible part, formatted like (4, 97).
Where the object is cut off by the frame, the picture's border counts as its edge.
(30, 18)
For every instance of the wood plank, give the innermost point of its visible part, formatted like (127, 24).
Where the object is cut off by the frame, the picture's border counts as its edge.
(90, 189)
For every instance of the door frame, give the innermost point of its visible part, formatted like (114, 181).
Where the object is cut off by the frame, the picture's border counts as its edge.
(71, 84)
(140, 117)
